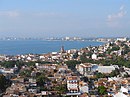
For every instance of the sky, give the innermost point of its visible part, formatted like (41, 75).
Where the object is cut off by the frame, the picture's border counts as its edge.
(60, 18)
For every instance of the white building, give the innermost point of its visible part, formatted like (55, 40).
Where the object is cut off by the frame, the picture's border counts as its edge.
(84, 69)
(94, 56)
(6, 71)
(72, 84)
(107, 69)
(46, 66)
(122, 39)
(122, 93)
(55, 55)
(84, 89)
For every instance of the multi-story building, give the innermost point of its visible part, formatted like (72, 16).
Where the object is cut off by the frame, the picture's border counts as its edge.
(84, 69)
(72, 84)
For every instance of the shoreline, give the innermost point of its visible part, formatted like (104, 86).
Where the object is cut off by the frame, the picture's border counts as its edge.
(42, 46)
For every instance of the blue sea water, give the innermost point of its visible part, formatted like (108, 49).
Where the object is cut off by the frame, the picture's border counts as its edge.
(40, 46)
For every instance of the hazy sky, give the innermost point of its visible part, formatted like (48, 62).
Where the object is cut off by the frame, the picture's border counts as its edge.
(59, 18)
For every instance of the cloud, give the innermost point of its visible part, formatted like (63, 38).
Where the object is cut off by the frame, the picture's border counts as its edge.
(9, 13)
(114, 19)
(122, 7)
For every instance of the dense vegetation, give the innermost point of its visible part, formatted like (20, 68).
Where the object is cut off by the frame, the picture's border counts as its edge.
(11, 64)
(4, 83)
(115, 60)
(72, 63)
(102, 90)
(112, 74)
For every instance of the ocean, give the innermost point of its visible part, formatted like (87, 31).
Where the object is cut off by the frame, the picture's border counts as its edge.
(15, 47)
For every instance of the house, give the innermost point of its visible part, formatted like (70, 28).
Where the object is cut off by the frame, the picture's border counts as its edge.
(122, 93)
(5, 71)
(72, 84)
(16, 88)
(84, 68)
(122, 39)
(94, 56)
(46, 66)
(83, 87)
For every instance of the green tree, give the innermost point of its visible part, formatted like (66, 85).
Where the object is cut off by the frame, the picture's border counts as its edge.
(75, 55)
(114, 73)
(115, 48)
(72, 63)
(100, 75)
(41, 80)
(25, 73)
(83, 57)
(62, 88)
(4, 83)
(8, 64)
(102, 90)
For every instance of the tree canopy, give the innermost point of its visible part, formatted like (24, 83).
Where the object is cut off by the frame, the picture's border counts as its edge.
(4, 83)
(102, 90)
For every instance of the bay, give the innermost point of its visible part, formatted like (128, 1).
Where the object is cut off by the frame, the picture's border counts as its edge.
(15, 47)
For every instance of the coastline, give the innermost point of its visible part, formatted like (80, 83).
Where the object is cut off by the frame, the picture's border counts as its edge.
(16, 47)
